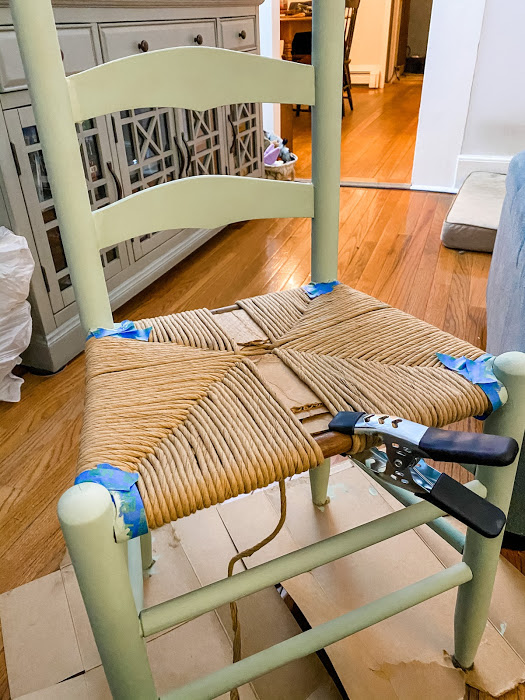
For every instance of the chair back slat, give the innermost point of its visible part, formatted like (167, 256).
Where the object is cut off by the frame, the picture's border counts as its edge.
(191, 77)
(205, 201)
(195, 78)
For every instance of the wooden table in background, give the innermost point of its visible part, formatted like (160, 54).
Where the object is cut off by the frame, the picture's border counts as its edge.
(290, 26)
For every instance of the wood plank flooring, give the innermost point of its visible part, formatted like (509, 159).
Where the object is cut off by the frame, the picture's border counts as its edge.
(389, 247)
(378, 137)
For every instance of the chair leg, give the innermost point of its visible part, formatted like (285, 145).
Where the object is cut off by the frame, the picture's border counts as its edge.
(473, 601)
(146, 551)
(86, 515)
(319, 483)
(135, 572)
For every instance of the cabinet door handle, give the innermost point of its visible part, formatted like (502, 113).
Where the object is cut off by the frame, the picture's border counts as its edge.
(242, 34)
(15, 158)
(182, 159)
(189, 155)
(44, 277)
(199, 39)
(234, 133)
(144, 46)
(118, 184)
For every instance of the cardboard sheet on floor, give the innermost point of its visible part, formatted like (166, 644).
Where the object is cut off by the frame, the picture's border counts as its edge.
(31, 616)
(507, 609)
(48, 639)
(407, 656)
(51, 653)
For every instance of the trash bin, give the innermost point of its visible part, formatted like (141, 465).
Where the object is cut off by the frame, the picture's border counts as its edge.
(279, 161)
(281, 170)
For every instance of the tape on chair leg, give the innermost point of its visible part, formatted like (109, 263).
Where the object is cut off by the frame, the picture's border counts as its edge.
(481, 373)
(125, 329)
(130, 519)
(317, 289)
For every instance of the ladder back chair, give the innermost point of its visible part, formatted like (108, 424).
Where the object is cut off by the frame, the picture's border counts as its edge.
(178, 416)
(352, 6)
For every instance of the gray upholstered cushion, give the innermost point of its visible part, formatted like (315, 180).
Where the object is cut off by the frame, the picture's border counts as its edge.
(473, 218)
(506, 303)
(506, 285)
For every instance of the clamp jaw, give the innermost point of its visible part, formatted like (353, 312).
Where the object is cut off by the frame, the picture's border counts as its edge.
(407, 446)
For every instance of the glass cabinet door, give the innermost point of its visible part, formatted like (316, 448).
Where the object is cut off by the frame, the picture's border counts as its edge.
(200, 136)
(150, 153)
(97, 160)
(244, 139)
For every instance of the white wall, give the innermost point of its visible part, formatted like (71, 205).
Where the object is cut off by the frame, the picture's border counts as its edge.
(455, 30)
(472, 114)
(269, 31)
(495, 127)
(370, 44)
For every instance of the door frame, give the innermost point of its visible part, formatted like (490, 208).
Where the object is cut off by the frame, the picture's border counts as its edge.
(455, 31)
(445, 98)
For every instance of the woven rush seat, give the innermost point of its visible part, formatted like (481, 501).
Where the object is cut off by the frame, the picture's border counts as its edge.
(191, 412)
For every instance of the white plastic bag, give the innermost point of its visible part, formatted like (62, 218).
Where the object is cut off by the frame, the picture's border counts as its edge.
(16, 268)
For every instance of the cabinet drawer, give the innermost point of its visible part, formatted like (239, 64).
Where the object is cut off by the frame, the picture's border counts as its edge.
(76, 43)
(238, 34)
(119, 40)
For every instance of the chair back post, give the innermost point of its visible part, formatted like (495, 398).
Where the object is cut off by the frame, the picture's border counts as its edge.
(35, 28)
(327, 58)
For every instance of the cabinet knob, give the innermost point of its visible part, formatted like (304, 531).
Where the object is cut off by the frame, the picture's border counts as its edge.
(243, 34)
(198, 39)
(144, 46)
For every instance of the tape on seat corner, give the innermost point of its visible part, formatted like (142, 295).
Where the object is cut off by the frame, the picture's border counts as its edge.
(130, 518)
(124, 329)
(481, 373)
(317, 289)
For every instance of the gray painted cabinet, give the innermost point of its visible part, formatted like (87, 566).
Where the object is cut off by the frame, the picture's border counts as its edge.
(122, 153)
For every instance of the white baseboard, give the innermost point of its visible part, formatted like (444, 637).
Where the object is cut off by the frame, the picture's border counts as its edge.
(434, 188)
(472, 163)
(367, 75)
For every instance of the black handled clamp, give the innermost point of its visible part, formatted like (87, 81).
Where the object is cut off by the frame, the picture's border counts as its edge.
(407, 446)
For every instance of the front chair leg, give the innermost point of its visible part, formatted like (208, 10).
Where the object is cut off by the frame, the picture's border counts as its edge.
(86, 513)
(319, 483)
(481, 554)
(146, 550)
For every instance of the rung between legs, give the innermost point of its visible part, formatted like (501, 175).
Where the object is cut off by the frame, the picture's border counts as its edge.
(319, 637)
(191, 605)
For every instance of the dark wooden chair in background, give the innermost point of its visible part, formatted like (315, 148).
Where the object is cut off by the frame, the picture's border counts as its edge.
(302, 52)
(350, 19)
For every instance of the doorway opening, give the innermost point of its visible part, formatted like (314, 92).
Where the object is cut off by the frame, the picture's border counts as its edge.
(387, 63)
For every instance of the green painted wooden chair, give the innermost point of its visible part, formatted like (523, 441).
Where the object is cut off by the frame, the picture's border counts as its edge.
(211, 425)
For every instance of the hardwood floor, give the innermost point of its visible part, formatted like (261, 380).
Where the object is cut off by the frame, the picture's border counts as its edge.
(389, 247)
(378, 137)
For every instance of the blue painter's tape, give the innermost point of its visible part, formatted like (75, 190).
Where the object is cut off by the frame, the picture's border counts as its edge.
(131, 516)
(125, 329)
(480, 372)
(317, 289)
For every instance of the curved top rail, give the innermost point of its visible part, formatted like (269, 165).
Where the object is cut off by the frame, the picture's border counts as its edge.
(190, 77)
